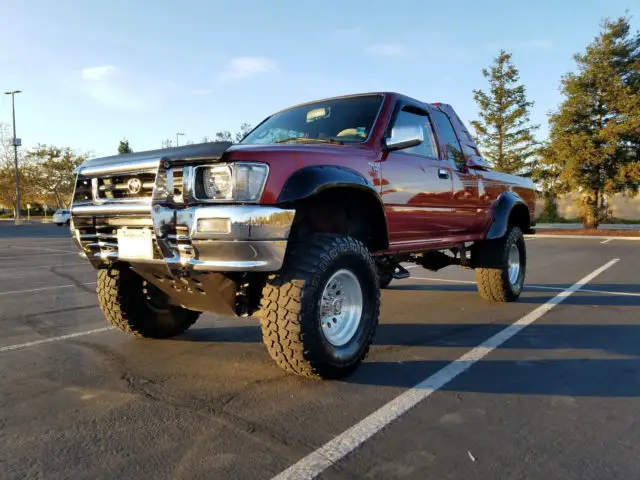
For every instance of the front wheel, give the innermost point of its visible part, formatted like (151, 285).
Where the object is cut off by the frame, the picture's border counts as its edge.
(320, 312)
(501, 266)
(137, 307)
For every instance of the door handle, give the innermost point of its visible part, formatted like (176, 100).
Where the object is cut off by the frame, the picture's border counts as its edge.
(442, 173)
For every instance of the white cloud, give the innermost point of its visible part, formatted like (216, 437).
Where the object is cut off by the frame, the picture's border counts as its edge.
(246, 67)
(387, 50)
(120, 90)
(98, 73)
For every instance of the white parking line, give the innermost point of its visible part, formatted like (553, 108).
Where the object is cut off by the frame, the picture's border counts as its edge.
(541, 287)
(21, 247)
(16, 292)
(44, 266)
(607, 240)
(442, 280)
(581, 237)
(20, 346)
(331, 452)
(42, 255)
(587, 290)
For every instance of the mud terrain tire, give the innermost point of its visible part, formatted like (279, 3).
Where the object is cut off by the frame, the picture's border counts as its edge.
(497, 276)
(138, 308)
(296, 308)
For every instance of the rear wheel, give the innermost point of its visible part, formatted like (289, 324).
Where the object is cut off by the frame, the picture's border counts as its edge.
(320, 313)
(137, 307)
(501, 266)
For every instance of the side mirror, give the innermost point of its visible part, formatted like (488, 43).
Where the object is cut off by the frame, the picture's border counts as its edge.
(405, 136)
(476, 162)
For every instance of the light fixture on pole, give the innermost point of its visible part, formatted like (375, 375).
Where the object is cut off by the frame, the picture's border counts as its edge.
(16, 143)
(177, 136)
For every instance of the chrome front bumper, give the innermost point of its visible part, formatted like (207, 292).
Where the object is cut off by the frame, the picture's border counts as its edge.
(215, 238)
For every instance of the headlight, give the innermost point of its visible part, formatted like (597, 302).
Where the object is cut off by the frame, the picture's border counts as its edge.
(238, 182)
(217, 182)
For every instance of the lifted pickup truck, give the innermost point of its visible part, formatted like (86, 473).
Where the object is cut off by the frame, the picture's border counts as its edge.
(300, 224)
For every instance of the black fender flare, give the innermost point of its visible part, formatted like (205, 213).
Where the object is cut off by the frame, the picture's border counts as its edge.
(310, 181)
(502, 209)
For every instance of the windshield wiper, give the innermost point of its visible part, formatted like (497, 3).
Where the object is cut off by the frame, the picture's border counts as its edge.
(311, 140)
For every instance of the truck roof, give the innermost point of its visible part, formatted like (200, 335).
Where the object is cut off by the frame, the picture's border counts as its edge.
(395, 95)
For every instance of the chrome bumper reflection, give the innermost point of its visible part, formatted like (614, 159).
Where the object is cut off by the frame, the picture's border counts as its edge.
(216, 238)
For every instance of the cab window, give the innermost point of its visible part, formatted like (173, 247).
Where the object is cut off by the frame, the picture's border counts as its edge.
(450, 140)
(413, 116)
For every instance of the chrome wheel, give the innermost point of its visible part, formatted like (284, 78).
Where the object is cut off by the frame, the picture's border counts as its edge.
(514, 264)
(341, 307)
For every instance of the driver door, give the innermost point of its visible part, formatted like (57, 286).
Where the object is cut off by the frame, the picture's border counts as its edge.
(416, 186)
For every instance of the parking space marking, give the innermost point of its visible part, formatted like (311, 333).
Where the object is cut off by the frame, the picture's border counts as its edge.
(588, 290)
(468, 282)
(21, 247)
(16, 292)
(45, 266)
(35, 343)
(540, 287)
(331, 452)
(41, 255)
(607, 240)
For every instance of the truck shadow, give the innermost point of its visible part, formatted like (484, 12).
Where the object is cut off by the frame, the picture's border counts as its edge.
(582, 370)
(577, 377)
(611, 339)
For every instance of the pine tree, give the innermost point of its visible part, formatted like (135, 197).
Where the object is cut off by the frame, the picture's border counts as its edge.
(594, 146)
(504, 131)
(124, 147)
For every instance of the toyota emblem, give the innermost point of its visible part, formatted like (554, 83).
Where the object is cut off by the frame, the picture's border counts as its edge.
(134, 185)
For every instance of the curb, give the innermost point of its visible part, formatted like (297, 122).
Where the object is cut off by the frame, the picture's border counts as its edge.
(594, 237)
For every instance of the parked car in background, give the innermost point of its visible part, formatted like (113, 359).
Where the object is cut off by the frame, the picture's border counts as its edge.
(62, 217)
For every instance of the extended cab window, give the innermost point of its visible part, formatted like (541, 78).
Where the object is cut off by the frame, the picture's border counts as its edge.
(449, 138)
(412, 116)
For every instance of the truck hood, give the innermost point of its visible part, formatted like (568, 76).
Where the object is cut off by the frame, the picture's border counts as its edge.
(224, 151)
(211, 150)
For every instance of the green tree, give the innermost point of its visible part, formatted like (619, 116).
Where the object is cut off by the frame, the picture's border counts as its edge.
(504, 132)
(124, 147)
(51, 174)
(594, 146)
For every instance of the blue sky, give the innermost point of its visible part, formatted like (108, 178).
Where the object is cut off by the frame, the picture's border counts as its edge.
(94, 72)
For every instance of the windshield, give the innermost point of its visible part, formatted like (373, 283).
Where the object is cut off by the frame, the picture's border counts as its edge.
(345, 120)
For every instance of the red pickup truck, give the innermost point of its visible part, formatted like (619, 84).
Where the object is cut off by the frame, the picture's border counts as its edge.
(300, 224)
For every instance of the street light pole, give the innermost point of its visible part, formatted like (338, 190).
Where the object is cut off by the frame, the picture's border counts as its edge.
(16, 142)
(177, 136)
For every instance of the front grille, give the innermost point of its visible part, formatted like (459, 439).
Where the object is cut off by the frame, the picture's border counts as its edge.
(126, 186)
(99, 237)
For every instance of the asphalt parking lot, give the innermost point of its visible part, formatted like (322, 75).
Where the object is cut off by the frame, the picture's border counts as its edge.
(548, 387)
